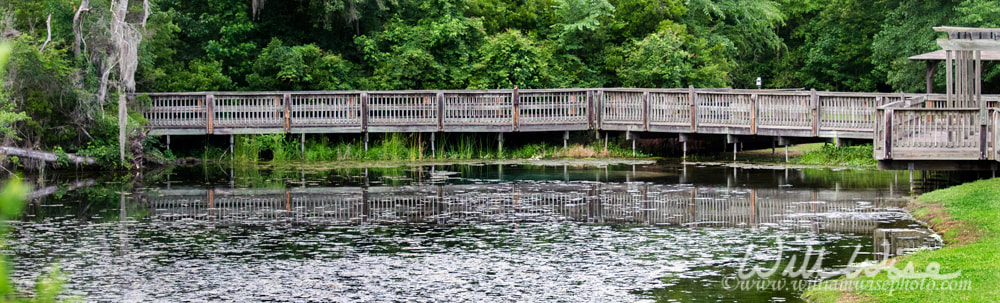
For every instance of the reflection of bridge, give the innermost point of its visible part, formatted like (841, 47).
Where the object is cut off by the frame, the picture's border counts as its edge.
(632, 203)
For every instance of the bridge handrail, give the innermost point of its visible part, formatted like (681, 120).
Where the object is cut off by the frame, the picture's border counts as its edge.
(788, 112)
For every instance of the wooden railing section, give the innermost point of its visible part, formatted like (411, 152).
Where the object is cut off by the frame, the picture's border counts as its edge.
(925, 128)
(711, 111)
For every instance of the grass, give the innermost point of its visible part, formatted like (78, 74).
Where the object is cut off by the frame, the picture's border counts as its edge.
(968, 218)
(823, 154)
(828, 154)
(280, 148)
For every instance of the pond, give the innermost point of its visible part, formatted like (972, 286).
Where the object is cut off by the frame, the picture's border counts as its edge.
(460, 232)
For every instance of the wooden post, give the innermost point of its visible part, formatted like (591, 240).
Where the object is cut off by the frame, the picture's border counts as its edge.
(516, 100)
(302, 145)
(645, 111)
(364, 112)
(949, 86)
(692, 100)
(814, 98)
(684, 140)
(888, 134)
(499, 144)
(432, 146)
(168, 142)
(364, 117)
(599, 111)
(287, 98)
(565, 139)
(440, 111)
(590, 109)
(210, 112)
(982, 141)
(753, 114)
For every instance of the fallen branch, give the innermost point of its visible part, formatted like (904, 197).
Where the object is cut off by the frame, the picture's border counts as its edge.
(44, 156)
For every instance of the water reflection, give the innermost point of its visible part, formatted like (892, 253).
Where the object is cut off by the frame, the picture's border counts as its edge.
(589, 202)
(454, 232)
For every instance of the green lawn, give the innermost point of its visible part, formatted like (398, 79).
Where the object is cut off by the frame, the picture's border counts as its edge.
(968, 215)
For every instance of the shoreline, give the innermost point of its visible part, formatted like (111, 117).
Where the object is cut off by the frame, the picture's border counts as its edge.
(965, 217)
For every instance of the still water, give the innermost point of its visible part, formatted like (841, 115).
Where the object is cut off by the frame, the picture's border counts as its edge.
(462, 233)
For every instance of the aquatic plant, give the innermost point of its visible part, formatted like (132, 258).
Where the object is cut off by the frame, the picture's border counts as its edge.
(50, 284)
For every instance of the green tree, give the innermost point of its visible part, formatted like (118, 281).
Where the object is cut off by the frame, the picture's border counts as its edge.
(434, 53)
(656, 61)
(8, 115)
(305, 67)
(908, 31)
(508, 59)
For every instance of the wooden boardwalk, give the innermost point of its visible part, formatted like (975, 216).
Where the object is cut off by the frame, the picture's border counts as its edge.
(927, 129)
(906, 127)
(708, 111)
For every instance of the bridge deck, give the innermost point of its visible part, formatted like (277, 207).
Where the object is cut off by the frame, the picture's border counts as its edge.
(710, 111)
(903, 126)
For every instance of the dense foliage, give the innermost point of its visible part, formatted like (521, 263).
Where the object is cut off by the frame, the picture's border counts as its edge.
(60, 92)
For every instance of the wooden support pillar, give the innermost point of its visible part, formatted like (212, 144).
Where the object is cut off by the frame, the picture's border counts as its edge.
(168, 142)
(784, 141)
(287, 99)
(645, 111)
(366, 141)
(628, 136)
(692, 102)
(440, 111)
(949, 80)
(302, 145)
(210, 112)
(909, 166)
(565, 139)
(516, 112)
(753, 114)
(684, 141)
(499, 144)
(814, 99)
(231, 150)
(734, 140)
(591, 110)
(433, 153)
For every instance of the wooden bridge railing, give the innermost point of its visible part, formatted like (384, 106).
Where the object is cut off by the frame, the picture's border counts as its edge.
(925, 128)
(712, 111)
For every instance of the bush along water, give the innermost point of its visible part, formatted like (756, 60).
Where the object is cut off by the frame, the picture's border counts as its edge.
(828, 154)
(404, 147)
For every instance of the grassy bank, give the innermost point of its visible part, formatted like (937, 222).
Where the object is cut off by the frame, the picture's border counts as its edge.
(823, 154)
(968, 218)
(280, 148)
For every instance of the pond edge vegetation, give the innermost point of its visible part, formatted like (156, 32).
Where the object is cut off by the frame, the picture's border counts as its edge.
(967, 216)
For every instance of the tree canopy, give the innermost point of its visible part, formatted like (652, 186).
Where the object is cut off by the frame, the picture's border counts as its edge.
(59, 94)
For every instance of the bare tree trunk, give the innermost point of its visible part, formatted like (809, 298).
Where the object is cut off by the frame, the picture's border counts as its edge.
(48, 36)
(145, 12)
(122, 122)
(77, 31)
(102, 90)
(119, 28)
